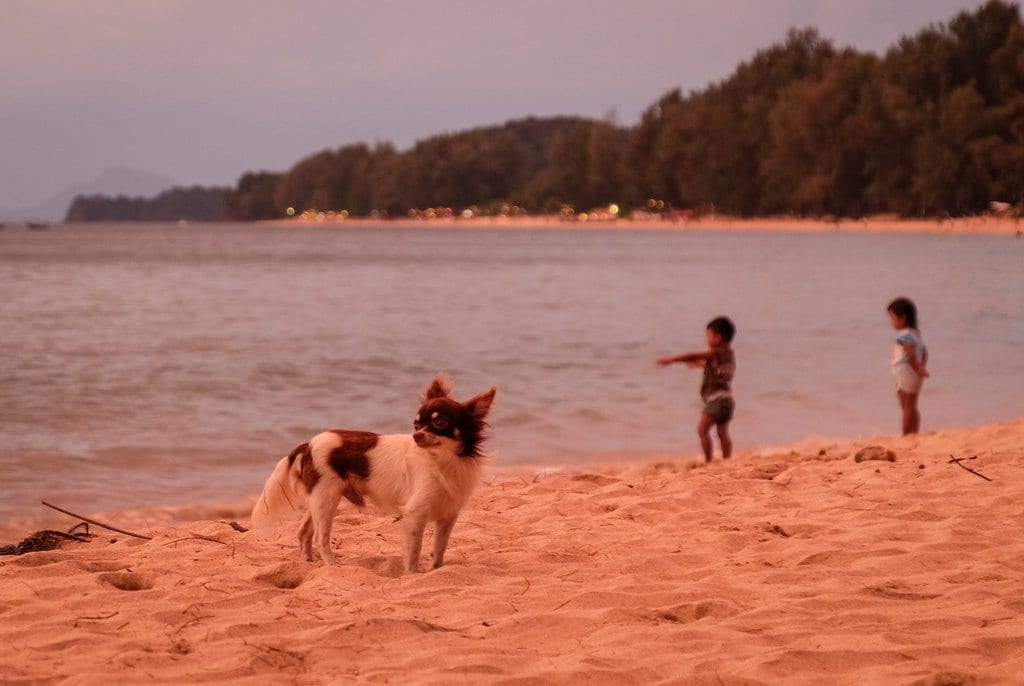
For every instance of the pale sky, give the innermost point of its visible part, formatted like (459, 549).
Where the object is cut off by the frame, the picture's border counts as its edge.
(204, 90)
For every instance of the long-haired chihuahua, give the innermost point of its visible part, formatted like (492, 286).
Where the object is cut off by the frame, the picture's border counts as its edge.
(426, 476)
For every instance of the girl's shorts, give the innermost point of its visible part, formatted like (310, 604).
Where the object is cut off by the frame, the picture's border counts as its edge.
(907, 380)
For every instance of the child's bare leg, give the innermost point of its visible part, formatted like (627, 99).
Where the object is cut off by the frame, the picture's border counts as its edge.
(704, 430)
(911, 416)
(724, 440)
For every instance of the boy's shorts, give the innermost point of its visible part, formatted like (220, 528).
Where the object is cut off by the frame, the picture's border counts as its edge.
(720, 409)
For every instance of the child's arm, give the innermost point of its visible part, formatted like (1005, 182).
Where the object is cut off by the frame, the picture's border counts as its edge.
(692, 359)
(918, 367)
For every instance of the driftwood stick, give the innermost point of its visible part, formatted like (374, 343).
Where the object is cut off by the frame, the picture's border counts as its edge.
(93, 521)
(959, 462)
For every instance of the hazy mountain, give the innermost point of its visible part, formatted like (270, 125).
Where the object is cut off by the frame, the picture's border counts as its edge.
(113, 181)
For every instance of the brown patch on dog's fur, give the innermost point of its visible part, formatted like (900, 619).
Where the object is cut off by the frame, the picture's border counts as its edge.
(350, 456)
(350, 462)
(307, 472)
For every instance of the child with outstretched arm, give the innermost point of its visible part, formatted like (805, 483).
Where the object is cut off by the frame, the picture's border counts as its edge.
(719, 363)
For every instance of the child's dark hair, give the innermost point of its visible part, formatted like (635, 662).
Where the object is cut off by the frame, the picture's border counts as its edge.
(724, 327)
(904, 307)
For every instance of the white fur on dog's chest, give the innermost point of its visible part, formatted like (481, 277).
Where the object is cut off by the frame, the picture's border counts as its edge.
(405, 476)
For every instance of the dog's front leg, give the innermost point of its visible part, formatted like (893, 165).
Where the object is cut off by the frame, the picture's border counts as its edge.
(442, 531)
(414, 524)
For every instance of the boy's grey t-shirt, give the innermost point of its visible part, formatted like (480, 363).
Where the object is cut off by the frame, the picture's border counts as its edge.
(718, 375)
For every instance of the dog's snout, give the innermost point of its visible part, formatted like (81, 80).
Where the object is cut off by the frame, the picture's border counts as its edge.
(426, 439)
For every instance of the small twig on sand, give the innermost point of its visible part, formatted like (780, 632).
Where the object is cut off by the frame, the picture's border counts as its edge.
(93, 521)
(959, 462)
(197, 537)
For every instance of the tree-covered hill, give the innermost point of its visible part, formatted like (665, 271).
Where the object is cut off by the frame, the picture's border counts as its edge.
(177, 204)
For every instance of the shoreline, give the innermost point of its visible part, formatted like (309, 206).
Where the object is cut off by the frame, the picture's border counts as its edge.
(164, 515)
(805, 566)
(981, 225)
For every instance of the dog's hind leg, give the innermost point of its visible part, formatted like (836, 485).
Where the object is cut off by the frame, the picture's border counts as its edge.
(306, 537)
(323, 503)
(442, 531)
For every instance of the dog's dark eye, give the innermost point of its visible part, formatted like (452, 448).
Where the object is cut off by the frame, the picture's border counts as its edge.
(439, 423)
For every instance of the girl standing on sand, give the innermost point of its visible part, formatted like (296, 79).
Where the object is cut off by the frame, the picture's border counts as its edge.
(909, 361)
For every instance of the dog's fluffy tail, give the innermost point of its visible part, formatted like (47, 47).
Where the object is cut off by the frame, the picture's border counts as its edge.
(280, 500)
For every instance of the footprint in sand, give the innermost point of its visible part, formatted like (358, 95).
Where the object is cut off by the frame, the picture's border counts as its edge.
(128, 581)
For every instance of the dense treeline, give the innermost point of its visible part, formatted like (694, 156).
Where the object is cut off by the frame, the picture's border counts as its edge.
(935, 126)
(191, 204)
(528, 162)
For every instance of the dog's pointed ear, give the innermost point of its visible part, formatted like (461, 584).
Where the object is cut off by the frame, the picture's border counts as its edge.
(480, 405)
(440, 387)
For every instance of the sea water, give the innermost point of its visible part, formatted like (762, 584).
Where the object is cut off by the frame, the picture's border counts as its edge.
(162, 364)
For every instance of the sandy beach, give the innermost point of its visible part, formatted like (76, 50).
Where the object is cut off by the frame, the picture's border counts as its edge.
(804, 566)
(985, 224)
